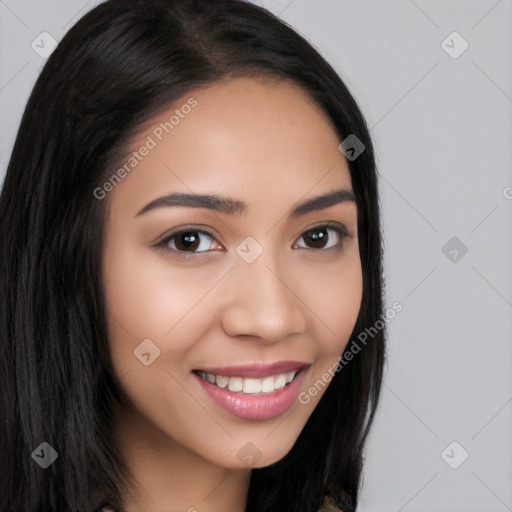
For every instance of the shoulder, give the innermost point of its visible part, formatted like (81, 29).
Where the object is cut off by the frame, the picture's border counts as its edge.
(106, 508)
(336, 501)
(332, 501)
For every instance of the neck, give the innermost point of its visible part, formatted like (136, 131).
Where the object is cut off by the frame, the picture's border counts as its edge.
(168, 477)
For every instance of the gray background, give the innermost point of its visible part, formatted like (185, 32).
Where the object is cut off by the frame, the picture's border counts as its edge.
(443, 130)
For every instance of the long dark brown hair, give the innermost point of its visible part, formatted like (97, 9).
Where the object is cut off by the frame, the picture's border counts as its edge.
(118, 66)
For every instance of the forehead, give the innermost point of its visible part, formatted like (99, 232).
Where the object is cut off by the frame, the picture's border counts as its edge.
(258, 137)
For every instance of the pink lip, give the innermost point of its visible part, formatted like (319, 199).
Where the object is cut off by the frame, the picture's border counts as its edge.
(256, 370)
(255, 407)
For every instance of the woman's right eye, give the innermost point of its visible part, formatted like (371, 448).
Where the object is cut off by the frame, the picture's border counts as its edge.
(191, 241)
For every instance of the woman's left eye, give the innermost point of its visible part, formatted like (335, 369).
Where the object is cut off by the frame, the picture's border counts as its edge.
(194, 241)
(319, 237)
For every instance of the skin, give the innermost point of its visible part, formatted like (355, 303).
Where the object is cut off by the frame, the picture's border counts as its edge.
(267, 143)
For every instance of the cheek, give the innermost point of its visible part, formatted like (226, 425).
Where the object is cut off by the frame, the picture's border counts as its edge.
(146, 301)
(337, 297)
(144, 291)
(335, 301)
(150, 298)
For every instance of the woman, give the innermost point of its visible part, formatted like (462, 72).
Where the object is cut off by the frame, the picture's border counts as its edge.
(190, 245)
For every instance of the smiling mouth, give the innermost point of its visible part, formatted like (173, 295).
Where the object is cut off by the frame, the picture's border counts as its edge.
(250, 385)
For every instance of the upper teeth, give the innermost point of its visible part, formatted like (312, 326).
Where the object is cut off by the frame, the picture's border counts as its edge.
(250, 385)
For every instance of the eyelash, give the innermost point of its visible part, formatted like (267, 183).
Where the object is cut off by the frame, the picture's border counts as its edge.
(339, 229)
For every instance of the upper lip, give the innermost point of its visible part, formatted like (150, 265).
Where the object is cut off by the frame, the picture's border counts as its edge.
(256, 370)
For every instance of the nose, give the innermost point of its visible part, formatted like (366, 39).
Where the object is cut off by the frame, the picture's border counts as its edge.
(260, 302)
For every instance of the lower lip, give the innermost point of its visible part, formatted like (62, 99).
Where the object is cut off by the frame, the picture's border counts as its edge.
(255, 407)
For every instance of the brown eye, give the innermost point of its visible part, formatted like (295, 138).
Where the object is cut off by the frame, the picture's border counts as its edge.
(321, 237)
(188, 241)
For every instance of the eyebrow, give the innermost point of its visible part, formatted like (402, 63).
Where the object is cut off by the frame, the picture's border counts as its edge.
(232, 206)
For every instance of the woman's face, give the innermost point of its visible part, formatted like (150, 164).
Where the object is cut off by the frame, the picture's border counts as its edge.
(206, 329)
